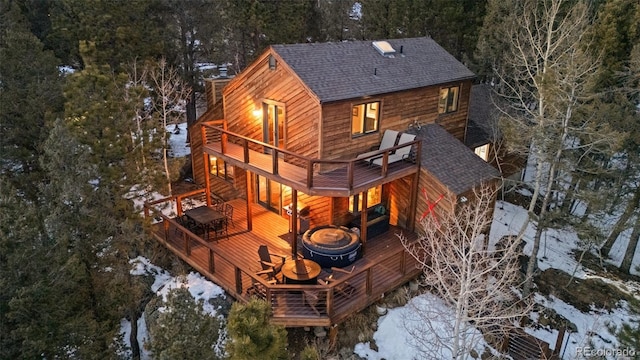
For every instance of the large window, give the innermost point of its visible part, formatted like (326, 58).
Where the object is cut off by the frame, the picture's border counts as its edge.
(374, 197)
(220, 168)
(448, 101)
(365, 118)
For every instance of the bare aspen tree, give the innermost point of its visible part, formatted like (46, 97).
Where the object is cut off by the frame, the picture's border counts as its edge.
(171, 95)
(476, 280)
(545, 77)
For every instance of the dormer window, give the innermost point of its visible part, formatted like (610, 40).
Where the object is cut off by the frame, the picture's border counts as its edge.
(448, 101)
(365, 118)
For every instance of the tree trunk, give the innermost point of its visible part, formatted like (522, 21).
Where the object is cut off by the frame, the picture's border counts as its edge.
(632, 205)
(631, 249)
(133, 337)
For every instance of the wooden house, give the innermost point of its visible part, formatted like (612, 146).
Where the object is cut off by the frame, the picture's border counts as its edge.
(289, 130)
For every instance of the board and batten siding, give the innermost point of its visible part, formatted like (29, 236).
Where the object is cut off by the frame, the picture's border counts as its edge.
(397, 111)
(244, 96)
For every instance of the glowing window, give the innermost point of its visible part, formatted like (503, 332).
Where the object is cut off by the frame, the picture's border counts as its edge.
(374, 197)
(365, 118)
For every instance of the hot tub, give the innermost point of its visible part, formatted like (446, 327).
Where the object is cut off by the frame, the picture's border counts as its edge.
(331, 245)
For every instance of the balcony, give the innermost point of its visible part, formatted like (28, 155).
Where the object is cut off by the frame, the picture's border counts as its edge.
(233, 263)
(337, 178)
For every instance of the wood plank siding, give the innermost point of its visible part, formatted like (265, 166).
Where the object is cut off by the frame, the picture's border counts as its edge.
(397, 111)
(232, 263)
(244, 96)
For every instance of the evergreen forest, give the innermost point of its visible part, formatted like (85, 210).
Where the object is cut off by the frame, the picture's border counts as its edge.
(79, 129)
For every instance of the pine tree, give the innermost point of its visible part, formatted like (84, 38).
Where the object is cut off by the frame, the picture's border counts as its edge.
(122, 31)
(30, 96)
(251, 336)
(184, 330)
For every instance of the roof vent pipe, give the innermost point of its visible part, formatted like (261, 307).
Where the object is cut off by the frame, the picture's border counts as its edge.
(375, 71)
(401, 48)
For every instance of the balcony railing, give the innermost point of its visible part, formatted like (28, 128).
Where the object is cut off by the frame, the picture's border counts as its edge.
(232, 265)
(312, 175)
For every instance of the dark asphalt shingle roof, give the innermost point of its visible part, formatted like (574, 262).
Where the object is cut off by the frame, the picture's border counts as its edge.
(450, 161)
(347, 70)
(482, 127)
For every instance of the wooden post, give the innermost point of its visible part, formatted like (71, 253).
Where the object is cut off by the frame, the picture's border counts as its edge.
(350, 175)
(179, 205)
(249, 196)
(413, 202)
(274, 161)
(245, 151)
(207, 178)
(212, 265)
(330, 301)
(309, 174)
(363, 221)
(238, 281)
(294, 223)
(559, 341)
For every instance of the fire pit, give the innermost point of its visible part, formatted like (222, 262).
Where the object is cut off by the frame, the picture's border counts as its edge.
(331, 245)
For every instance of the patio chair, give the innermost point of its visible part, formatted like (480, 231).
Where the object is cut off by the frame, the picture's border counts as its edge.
(388, 141)
(345, 288)
(217, 204)
(228, 213)
(221, 228)
(400, 154)
(269, 267)
(186, 222)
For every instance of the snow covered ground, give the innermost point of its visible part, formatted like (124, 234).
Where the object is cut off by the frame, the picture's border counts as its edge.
(391, 337)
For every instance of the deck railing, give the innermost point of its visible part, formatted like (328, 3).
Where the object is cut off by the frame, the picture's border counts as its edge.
(293, 305)
(304, 171)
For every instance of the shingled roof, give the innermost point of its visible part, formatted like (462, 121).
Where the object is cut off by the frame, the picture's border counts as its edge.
(482, 127)
(347, 70)
(450, 161)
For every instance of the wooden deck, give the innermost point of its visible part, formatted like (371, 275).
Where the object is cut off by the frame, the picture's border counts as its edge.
(338, 178)
(232, 263)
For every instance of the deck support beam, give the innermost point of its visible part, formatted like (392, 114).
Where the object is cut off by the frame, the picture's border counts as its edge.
(363, 221)
(207, 170)
(294, 223)
(249, 196)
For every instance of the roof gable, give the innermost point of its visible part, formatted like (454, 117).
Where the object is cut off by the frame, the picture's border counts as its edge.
(347, 70)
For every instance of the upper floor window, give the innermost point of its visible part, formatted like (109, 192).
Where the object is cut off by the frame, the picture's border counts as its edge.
(448, 101)
(365, 118)
(220, 168)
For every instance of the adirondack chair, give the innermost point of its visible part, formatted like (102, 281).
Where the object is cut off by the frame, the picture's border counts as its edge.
(269, 267)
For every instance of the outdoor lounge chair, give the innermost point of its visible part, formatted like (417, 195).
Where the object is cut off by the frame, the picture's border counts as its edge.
(401, 153)
(269, 267)
(388, 141)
